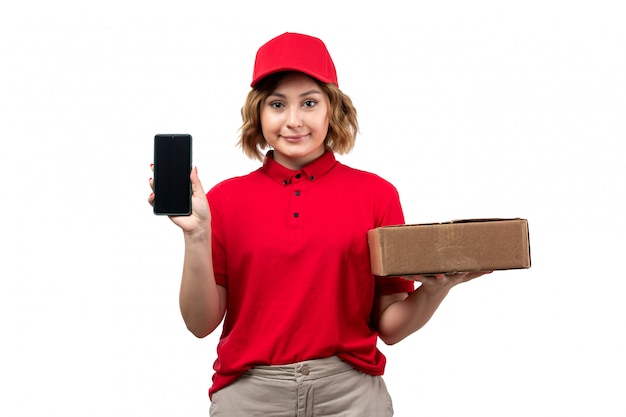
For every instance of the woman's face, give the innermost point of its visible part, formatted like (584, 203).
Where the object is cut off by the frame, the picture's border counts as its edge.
(294, 120)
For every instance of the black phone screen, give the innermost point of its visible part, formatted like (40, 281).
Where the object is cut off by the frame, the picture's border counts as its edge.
(172, 166)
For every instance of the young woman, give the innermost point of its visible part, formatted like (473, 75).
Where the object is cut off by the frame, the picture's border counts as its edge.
(282, 256)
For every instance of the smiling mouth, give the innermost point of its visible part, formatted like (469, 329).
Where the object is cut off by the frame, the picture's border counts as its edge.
(295, 138)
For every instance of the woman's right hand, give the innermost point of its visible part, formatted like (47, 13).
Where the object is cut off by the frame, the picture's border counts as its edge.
(200, 218)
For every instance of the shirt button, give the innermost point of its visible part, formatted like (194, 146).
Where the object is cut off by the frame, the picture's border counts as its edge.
(298, 176)
(285, 182)
(311, 177)
(304, 370)
(295, 214)
(297, 193)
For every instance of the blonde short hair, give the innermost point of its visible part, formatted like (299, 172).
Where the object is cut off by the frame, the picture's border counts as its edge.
(343, 125)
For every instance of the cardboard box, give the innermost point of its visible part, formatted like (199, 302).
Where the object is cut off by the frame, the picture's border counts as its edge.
(457, 246)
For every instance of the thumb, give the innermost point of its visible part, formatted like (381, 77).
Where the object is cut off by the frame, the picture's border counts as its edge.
(196, 185)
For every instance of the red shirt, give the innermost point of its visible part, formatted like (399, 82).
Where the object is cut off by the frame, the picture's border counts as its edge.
(291, 248)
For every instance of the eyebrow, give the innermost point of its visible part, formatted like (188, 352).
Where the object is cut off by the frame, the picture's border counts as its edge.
(306, 93)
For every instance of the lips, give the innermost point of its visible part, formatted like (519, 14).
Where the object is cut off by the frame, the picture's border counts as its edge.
(297, 138)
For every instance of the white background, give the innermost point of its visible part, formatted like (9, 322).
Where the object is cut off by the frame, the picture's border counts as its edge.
(471, 108)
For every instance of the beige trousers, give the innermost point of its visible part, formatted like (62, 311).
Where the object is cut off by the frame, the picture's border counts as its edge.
(321, 387)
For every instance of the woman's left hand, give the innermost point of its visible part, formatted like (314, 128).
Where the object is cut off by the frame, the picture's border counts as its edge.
(435, 283)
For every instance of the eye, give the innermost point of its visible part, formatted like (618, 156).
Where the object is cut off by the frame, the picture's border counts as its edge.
(309, 103)
(276, 105)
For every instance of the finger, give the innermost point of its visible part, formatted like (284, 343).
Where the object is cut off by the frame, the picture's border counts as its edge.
(425, 277)
(473, 275)
(419, 278)
(196, 185)
(151, 180)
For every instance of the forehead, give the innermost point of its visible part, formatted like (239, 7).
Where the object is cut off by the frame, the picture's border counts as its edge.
(296, 81)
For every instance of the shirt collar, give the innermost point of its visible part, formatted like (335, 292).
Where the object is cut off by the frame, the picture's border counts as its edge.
(312, 171)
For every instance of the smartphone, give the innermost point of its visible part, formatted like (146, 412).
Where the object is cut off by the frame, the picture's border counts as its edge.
(172, 166)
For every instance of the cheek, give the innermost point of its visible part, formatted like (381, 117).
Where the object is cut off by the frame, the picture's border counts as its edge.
(325, 123)
(266, 124)
(269, 120)
(324, 126)
(263, 118)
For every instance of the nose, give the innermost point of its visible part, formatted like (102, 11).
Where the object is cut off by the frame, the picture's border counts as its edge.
(294, 118)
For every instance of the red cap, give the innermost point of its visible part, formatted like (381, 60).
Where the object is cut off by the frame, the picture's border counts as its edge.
(294, 52)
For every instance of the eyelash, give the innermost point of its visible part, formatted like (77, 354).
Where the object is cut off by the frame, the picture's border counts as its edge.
(305, 103)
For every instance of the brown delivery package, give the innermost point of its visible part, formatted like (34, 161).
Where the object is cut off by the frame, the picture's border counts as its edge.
(457, 246)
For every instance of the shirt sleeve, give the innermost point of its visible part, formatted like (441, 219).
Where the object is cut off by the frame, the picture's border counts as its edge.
(391, 213)
(217, 239)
